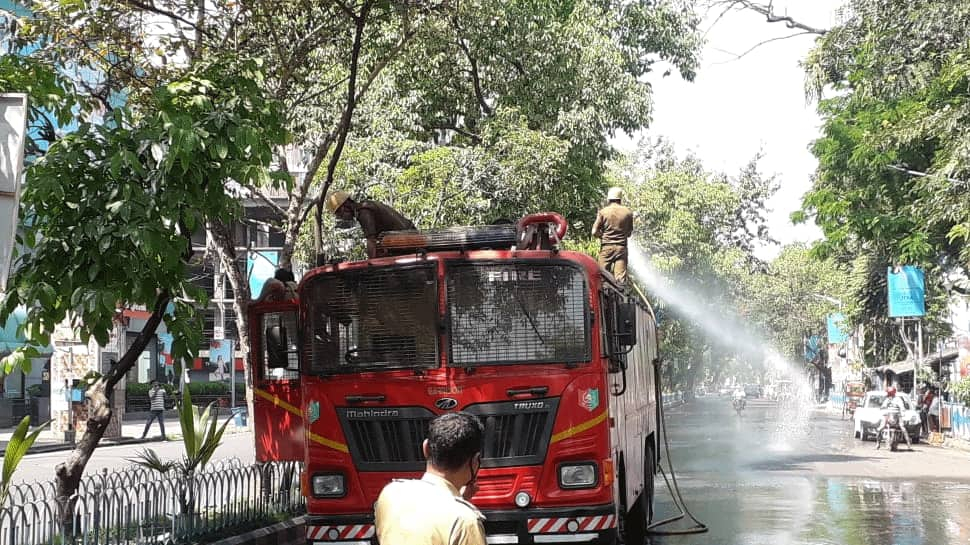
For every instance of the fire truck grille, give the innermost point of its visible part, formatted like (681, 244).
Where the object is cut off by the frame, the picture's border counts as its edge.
(389, 439)
(386, 439)
(516, 432)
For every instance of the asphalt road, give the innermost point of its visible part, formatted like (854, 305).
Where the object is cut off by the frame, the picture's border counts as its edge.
(40, 467)
(775, 476)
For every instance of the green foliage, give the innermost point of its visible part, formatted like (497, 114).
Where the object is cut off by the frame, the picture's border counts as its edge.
(892, 157)
(150, 459)
(201, 433)
(196, 388)
(112, 207)
(51, 95)
(961, 390)
(20, 442)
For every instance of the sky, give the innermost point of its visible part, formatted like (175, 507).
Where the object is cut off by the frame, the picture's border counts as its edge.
(736, 107)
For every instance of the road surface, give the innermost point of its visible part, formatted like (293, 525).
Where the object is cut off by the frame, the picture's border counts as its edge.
(774, 476)
(40, 467)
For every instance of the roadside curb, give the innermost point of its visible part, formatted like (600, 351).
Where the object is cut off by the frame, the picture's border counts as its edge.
(287, 532)
(956, 444)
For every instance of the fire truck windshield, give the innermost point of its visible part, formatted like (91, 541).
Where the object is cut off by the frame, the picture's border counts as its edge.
(372, 318)
(517, 312)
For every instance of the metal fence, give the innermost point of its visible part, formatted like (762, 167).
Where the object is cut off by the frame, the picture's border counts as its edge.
(138, 505)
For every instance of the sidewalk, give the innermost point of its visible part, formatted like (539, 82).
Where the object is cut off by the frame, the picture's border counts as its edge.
(131, 430)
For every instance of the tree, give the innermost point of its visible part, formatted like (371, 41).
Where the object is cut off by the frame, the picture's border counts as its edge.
(158, 172)
(891, 83)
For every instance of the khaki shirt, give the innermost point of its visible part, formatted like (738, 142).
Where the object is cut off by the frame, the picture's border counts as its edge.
(614, 224)
(375, 218)
(428, 511)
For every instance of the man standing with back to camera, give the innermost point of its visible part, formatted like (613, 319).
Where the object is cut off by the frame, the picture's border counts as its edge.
(613, 226)
(435, 510)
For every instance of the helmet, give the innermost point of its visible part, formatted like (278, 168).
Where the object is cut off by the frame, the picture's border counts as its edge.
(891, 391)
(336, 199)
(614, 194)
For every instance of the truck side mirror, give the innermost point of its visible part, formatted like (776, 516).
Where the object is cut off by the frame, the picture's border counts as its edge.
(276, 347)
(626, 327)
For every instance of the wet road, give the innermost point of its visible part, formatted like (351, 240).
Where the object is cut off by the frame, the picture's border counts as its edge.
(797, 476)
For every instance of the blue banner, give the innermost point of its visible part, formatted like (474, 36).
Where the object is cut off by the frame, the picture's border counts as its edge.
(262, 266)
(813, 348)
(835, 327)
(907, 291)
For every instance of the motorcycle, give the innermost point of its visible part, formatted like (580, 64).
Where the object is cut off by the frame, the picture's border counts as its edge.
(892, 429)
(738, 404)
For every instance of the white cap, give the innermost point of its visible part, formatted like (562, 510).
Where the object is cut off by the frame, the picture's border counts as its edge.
(614, 194)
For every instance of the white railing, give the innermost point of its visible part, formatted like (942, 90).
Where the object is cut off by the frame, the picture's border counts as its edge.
(138, 505)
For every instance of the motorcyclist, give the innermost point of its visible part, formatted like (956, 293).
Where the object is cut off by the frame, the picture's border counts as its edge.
(892, 402)
(740, 399)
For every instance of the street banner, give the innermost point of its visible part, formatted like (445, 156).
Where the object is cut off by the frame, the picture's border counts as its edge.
(221, 360)
(13, 127)
(835, 327)
(261, 267)
(813, 348)
(907, 291)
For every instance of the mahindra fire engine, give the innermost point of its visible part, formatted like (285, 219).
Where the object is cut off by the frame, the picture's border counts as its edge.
(556, 359)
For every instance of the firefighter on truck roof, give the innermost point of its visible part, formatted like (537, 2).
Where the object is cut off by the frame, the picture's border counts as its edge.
(374, 217)
(613, 226)
(435, 510)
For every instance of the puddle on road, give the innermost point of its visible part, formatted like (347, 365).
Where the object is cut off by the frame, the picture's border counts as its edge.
(753, 483)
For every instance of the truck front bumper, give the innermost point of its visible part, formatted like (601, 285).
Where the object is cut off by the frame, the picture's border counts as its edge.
(592, 525)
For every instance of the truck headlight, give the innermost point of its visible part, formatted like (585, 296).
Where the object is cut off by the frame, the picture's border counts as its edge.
(577, 475)
(328, 486)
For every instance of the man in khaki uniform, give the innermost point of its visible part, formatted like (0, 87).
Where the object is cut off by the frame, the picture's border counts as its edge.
(435, 510)
(613, 226)
(374, 217)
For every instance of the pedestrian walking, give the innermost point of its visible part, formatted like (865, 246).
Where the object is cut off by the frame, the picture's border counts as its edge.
(435, 509)
(613, 226)
(934, 413)
(156, 400)
(924, 409)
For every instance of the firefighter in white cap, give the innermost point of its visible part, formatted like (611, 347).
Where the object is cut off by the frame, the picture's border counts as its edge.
(374, 217)
(613, 226)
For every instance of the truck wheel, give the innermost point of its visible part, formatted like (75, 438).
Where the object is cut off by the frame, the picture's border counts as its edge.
(640, 514)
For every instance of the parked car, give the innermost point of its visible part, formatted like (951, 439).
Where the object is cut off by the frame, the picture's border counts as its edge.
(868, 415)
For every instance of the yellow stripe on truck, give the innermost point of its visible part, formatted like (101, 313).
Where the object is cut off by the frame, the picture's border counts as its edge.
(295, 411)
(579, 428)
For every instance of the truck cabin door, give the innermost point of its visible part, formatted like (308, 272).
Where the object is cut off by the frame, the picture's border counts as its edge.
(278, 400)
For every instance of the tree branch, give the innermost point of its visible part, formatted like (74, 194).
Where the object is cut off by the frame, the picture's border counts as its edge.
(476, 80)
(770, 16)
(919, 174)
(258, 192)
(759, 44)
(151, 7)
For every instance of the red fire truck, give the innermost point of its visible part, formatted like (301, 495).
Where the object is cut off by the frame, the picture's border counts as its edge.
(557, 361)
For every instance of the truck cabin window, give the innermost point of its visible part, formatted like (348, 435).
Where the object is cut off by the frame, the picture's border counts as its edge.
(516, 312)
(372, 319)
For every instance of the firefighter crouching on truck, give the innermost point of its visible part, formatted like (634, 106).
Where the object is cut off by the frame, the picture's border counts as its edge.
(374, 217)
(613, 226)
(435, 510)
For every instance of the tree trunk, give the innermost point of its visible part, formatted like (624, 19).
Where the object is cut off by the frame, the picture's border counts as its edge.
(225, 243)
(70, 471)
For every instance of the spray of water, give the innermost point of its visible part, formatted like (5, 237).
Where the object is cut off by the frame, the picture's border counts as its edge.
(727, 328)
